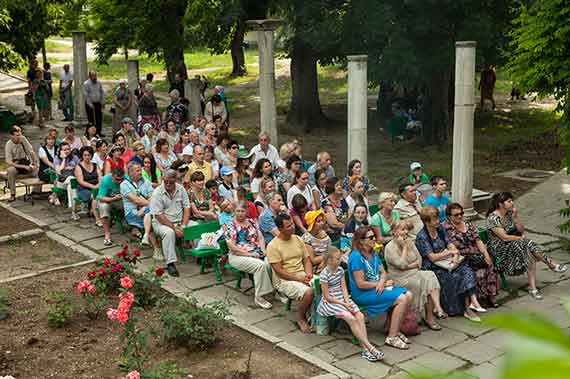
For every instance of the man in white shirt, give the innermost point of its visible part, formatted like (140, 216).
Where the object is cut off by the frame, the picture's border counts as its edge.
(65, 93)
(94, 101)
(264, 150)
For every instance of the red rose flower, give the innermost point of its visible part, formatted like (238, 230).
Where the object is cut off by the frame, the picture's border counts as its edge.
(106, 261)
(102, 272)
(159, 271)
(136, 252)
(91, 275)
(114, 262)
(122, 254)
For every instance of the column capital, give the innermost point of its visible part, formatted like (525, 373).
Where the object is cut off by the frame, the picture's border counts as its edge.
(466, 44)
(264, 25)
(78, 32)
(357, 58)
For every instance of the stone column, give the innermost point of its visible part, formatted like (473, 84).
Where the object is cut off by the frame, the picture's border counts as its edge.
(133, 74)
(268, 109)
(464, 111)
(192, 91)
(79, 76)
(358, 110)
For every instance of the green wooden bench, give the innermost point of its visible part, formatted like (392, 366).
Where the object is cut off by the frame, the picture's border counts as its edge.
(203, 256)
(373, 209)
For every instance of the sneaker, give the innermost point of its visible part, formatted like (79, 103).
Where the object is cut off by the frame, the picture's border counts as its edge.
(560, 268)
(172, 271)
(56, 202)
(535, 294)
(157, 255)
(145, 240)
(75, 217)
(262, 303)
(471, 317)
(368, 356)
(83, 210)
(107, 242)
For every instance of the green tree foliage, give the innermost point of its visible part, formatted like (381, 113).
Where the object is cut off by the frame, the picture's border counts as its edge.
(154, 27)
(24, 25)
(220, 26)
(412, 43)
(539, 57)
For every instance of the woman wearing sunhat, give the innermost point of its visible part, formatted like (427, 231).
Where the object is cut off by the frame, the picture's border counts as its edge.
(114, 159)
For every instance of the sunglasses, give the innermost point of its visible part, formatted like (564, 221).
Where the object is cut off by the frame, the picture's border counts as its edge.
(234, 147)
(458, 214)
(370, 237)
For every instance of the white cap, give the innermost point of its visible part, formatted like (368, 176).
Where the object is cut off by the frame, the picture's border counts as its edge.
(122, 81)
(414, 166)
(188, 150)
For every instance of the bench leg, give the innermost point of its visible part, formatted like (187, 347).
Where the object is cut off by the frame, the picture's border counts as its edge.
(504, 283)
(217, 272)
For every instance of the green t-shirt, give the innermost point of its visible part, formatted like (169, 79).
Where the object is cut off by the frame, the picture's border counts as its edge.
(107, 187)
(385, 228)
(146, 176)
(423, 178)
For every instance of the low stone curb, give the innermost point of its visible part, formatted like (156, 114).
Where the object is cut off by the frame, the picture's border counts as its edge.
(20, 235)
(21, 214)
(41, 272)
(300, 353)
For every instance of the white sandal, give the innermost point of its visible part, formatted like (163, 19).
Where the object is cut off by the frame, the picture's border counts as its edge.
(396, 342)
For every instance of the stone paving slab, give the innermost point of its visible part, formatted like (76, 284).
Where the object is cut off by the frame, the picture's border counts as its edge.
(440, 340)
(484, 371)
(436, 361)
(97, 244)
(341, 349)
(474, 351)
(394, 356)
(461, 324)
(364, 369)
(256, 315)
(277, 326)
(497, 339)
(322, 354)
(305, 341)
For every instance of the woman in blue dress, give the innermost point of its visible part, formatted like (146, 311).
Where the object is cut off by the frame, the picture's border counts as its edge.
(369, 287)
(457, 282)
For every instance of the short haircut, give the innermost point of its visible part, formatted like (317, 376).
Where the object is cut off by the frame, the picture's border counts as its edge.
(451, 207)
(171, 174)
(197, 176)
(331, 250)
(117, 171)
(132, 164)
(428, 213)
(69, 128)
(270, 196)
(116, 137)
(15, 129)
(404, 187)
(137, 144)
(435, 179)
(281, 218)
(241, 191)
(100, 143)
(292, 159)
(161, 142)
(331, 184)
(84, 149)
(318, 173)
(242, 205)
(211, 184)
(299, 202)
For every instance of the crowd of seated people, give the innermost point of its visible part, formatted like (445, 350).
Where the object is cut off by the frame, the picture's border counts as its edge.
(286, 220)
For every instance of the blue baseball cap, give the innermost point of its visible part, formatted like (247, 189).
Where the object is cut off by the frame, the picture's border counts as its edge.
(226, 171)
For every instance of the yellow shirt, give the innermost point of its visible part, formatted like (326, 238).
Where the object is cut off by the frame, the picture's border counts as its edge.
(205, 169)
(290, 253)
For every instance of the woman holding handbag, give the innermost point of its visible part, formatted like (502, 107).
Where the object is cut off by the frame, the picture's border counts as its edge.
(466, 238)
(404, 267)
(439, 255)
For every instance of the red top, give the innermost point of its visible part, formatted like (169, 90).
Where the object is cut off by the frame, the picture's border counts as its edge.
(120, 164)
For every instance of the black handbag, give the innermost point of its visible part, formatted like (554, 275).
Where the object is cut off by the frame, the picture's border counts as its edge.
(24, 162)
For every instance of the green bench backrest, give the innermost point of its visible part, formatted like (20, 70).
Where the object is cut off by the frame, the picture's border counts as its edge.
(484, 235)
(373, 209)
(196, 231)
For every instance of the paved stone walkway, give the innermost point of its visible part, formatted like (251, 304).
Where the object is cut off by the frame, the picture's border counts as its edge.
(462, 345)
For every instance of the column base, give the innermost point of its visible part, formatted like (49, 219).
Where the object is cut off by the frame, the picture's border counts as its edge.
(79, 122)
(470, 214)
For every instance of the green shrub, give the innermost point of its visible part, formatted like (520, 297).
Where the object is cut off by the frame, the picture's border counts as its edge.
(3, 303)
(186, 324)
(60, 309)
(163, 371)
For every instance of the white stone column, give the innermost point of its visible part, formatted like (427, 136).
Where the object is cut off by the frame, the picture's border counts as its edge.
(463, 118)
(268, 109)
(79, 76)
(358, 110)
(192, 91)
(133, 74)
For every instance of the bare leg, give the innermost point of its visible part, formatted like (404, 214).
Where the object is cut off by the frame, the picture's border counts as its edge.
(106, 227)
(147, 225)
(429, 311)
(304, 304)
(475, 302)
(398, 314)
(531, 273)
(94, 210)
(358, 328)
(434, 296)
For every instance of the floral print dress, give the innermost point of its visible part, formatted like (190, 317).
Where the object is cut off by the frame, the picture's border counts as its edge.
(511, 256)
(245, 237)
(466, 243)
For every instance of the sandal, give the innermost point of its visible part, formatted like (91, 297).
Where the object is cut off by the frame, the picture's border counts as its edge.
(396, 342)
(404, 338)
(377, 353)
(440, 314)
(433, 326)
(137, 234)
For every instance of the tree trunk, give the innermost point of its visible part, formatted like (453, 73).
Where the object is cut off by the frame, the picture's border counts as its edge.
(44, 53)
(436, 117)
(173, 49)
(305, 110)
(238, 57)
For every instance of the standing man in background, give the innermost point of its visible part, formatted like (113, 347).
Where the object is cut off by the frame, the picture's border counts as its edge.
(65, 94)
(94, 101)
